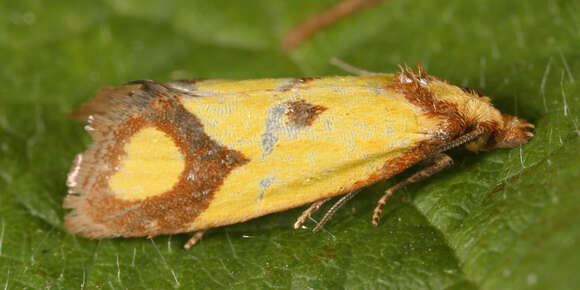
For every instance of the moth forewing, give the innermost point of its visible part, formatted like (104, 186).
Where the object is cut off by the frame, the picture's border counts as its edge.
(193, 155)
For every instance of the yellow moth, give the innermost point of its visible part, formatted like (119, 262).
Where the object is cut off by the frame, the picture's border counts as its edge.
(192, 155)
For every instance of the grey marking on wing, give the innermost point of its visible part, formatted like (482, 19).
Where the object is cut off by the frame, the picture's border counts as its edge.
(290, 83)
(183, 87)
(273, 127)
(265, 183)
(276, 126)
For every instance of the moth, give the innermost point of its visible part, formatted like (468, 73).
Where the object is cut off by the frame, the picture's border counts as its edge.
(188, 156)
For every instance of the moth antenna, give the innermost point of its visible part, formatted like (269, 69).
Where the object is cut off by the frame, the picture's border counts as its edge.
(350, 68)
(468, 137)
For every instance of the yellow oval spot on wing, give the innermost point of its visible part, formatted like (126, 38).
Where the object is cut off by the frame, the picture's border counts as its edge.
(151, 167)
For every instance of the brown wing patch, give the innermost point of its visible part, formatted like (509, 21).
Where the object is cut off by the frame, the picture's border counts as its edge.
(96, 213)
(302, 114)
(102, 101)
(415, 87)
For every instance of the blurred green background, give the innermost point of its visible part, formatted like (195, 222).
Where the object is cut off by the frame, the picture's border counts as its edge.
(506, 219)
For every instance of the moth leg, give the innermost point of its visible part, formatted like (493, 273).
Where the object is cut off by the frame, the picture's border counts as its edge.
(308, 212)
(350, 68)
(440, 161)
(334, 208)
(196, 238)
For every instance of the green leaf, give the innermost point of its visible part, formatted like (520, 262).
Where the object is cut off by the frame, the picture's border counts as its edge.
(506, 219)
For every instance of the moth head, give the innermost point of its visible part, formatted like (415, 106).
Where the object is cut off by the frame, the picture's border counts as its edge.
(512, 132)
